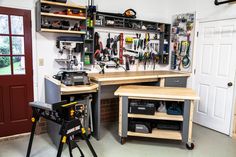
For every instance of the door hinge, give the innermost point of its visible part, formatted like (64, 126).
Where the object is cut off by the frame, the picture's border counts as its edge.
(197, 34)
(194, 71)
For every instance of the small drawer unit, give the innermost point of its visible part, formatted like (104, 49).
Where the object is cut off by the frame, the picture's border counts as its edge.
(176, 82)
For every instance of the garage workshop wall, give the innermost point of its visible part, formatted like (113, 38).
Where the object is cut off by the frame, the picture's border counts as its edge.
(44, 49)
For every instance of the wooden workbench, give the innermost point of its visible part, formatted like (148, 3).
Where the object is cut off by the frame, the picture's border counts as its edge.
(187, 96)
(122, 78)
(114, 78)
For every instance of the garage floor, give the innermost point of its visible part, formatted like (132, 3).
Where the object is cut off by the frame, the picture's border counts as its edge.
(208, 143)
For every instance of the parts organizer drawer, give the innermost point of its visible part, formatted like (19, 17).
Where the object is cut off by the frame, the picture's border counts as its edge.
(176, 82)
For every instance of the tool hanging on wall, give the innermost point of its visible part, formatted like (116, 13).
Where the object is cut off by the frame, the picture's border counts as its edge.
(186, 62)
(127, 63)
(146, 59)
(132, 51)
(129, 42)
(109, 41)
(146, 40)
(114, 45)
(121, 47)
(117, 64)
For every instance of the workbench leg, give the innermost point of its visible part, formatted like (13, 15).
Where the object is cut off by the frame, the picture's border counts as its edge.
(186, 114)
(97, 113)
(162, 82)
(123, 117)
(191, 122)
(187, 124)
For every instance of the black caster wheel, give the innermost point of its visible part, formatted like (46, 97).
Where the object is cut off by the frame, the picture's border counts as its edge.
(122, 140)
(88, 136)
(190, 146)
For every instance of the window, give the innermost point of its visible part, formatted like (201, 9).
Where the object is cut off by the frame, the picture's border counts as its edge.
(12, 50)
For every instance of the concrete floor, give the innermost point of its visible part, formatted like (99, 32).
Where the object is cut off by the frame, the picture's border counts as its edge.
(208, 143)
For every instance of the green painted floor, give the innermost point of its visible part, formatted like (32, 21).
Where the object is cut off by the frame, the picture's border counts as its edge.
(208, 143)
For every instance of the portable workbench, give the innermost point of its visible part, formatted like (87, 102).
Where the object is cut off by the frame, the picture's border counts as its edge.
(156, 78)
(185, 95)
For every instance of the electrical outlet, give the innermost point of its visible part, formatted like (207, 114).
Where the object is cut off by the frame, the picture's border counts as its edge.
(41, 62)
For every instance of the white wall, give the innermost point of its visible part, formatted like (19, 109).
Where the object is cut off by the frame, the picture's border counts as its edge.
(203, 8)
(156, 10)
(207, 9)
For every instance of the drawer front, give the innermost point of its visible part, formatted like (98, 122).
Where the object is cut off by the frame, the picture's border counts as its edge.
(176, 82)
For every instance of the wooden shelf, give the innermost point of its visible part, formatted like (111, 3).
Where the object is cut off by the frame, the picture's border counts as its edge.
(62, 4)
(126, 28)
(62, 31)
(157, 133)
(63, 16)
(159, 116)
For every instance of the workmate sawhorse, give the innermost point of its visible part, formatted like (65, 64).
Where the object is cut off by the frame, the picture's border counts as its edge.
(68, 117)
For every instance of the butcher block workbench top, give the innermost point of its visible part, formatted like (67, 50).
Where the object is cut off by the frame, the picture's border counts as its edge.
(79, 89)
(157, 92)
(67, 90)
(130, 77)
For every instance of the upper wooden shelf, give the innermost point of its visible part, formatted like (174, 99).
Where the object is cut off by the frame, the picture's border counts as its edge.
(63, 16)
(62, 4)
(159, 116)
(62, 31)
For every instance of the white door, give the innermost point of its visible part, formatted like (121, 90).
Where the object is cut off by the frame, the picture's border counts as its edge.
(215, 69)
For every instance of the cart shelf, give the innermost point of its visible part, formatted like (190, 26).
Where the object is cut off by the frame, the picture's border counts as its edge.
(157, 133)
(158, 116)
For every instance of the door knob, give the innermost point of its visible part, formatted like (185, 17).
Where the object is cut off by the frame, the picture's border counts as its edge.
(230, 84)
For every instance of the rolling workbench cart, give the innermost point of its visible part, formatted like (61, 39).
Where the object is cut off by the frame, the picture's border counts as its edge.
(184, 95)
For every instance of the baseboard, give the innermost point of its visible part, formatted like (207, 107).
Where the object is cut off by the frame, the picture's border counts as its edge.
(13, 137)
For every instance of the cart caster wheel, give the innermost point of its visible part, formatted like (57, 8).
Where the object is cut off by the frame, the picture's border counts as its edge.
(190, 146)
(122, 140)
(88, 136)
